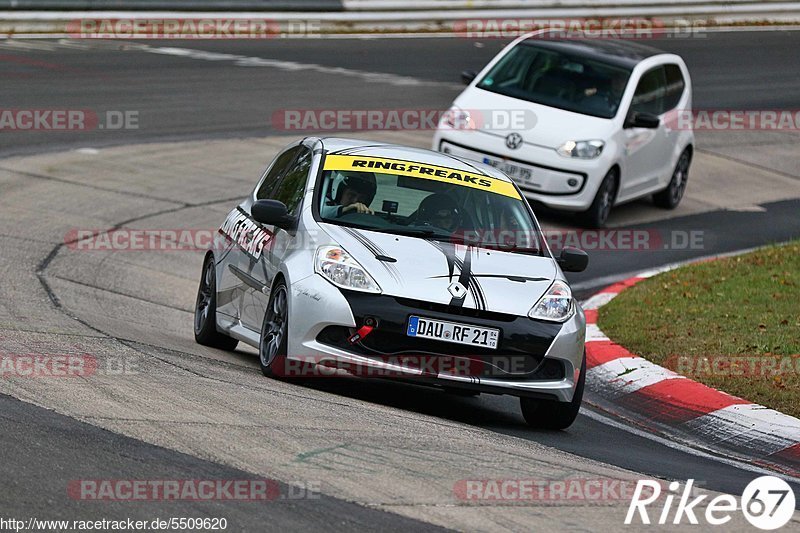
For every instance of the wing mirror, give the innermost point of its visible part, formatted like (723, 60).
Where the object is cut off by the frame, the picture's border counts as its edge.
(573, 260)
(467, 76)
(272, 213)
(642, 120)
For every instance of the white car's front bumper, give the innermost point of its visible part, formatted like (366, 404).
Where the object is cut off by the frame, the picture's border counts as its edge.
(558, 182)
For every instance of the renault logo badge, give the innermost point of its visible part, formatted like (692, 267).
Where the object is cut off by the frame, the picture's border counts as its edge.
(457, 290)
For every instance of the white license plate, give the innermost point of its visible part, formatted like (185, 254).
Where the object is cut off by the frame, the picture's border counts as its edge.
(441, 330)
(513, 171)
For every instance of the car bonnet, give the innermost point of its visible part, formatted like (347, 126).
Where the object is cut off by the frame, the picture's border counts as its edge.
(537, 124)
(424, 269)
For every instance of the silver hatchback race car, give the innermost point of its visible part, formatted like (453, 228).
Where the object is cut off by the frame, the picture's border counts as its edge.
(355, 258)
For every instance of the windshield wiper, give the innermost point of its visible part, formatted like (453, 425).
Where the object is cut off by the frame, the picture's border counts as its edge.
(529, 250)
(354, 226)
(411, 232)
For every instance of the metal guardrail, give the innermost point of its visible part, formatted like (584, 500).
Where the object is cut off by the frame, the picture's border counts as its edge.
(172, 5)
(345, 5)
(340, 17)
(433, 5)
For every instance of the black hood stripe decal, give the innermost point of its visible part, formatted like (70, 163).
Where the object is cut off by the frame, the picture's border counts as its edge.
(449, 251)
(466, 281)
(465, 273)
(481, 296)
(473, 284)
(375, 250)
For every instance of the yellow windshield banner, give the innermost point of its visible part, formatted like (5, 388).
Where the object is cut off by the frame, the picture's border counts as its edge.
(422, 171)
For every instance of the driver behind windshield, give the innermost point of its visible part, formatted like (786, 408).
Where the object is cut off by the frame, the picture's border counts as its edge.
(439, 210)
(351, 192)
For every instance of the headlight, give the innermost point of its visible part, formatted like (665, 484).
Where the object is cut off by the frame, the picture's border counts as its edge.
(339, 268)
(556, 305)
(582, 149)
(458, 119)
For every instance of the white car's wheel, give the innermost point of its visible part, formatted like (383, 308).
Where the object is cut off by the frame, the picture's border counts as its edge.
(597, 214)
(670, 197)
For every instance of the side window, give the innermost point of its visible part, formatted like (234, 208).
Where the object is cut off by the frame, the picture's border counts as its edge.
(649, 95)
(291, 189)
(675, 87)
(276, 171)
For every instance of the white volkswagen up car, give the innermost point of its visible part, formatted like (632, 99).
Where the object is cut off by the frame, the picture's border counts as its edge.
(600, 132)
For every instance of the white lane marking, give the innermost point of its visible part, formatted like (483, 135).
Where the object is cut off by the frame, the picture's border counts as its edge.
(655, 271)
(236, 59)
(747, 209)
(15, 44)
(97, 44)
(593, 333)
(749, 426)
(598, 300)
(294, 66)
(671, 443)
(628, 374)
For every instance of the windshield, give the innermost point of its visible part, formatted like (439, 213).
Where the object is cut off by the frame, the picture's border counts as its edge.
(554, 79)
(427, 201)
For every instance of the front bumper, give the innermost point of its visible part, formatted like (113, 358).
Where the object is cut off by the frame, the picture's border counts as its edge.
(548, 355)
(550, 174)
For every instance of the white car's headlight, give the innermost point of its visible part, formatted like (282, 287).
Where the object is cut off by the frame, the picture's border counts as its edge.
(582, 149)
(458, 119)
(338, 267)
(556, 305)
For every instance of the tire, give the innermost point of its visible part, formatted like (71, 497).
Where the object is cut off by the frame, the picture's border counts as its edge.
(670, 197)
(597, 214)
(205, 311)
(272, 348)
(552, 414)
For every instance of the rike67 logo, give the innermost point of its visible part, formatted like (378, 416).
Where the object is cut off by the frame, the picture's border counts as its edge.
(767, 503)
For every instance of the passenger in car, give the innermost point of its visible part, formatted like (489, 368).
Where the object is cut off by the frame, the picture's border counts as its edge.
(441, 211)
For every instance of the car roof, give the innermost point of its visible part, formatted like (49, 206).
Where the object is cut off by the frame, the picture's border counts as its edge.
(624, 53)
(346, 146)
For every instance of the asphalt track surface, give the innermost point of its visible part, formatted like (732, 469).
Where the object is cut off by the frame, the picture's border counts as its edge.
(181, 99)
(186, 98)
